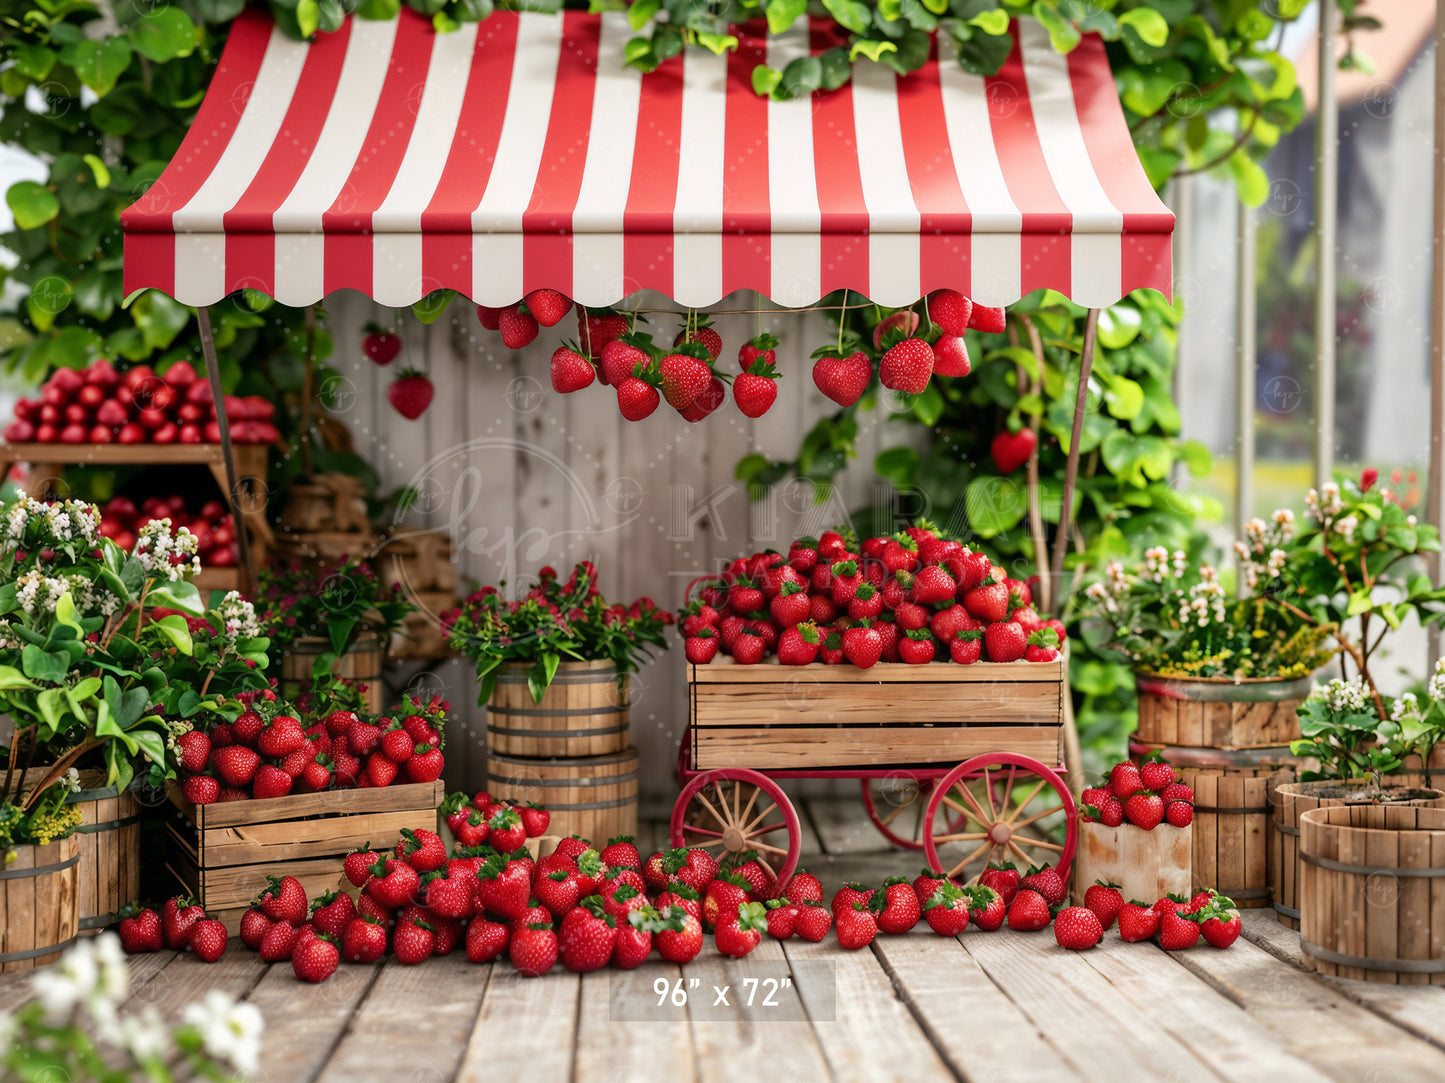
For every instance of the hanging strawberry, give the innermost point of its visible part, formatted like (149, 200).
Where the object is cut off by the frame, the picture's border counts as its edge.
(950, 356)
(490, 318)
(596, 327)
(410, 394)
(905, 320)
(842, 379)
(906, 366)
(983, 318)
(636, 398)
(380, 344)
(704, 335)
(518, 327)
(949, 311)
(762, 347)
(756, 389)
(1010, 450)
(570, 370)
(685, 374)
(548, 307)
(713, 397)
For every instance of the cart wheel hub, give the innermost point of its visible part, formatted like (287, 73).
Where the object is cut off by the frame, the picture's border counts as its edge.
(1000, 833)
(734, 840)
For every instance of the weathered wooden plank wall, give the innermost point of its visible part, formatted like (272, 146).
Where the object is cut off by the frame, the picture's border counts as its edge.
(522, 476)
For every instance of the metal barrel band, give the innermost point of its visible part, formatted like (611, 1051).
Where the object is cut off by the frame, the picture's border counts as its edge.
(1231, 810)
(631, 776)
(593, 806)
(35, 953)
(595, 676)
(1360, 962)
(108, 825)
(1332, 865)
(541, 712)
(1196, 691)
(1285, 829)
(101, 793)
(99, 921)
(593, 731)
(38, 870)
(1287, 911)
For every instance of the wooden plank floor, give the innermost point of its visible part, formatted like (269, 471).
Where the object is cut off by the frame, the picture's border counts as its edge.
(915, 1007)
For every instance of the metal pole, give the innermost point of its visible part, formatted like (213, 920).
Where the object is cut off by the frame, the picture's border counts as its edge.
(1327, 152)
(1071, 466)
(1435, 498)
(228, 452)
(1245, 330)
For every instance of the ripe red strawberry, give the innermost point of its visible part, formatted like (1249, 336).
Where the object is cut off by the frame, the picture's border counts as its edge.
(933, 585)
(1004, 642)
(950, 356)
(1004, 878)
(1220, 923)
(713, 396)
(949, 310)
(178, 916)
(749, 648)
(986, 908)
(843, 379)
(533, 949)
(1111, 812)
(1124, 780)
(850, 894)
(916, 648)
(450, 897)
(503, 887)
(925, 884)
(140, 929)
(548, 307)
(1177, 932)
(947, 910)
(723, 896)
(987, 602)
(621, 853)
(295, 763)
(813, 922)
(379, 345)
(907, 366)
(1144, 809)
(270, 782)
(207, 940)
(990, 320)
(761, 347)
(1178, 813)
(597, 327)
(1155, 773)
(283, 899)
(410, 394)
(636, 399)
(587, 937)
(738, 934)
(333, 912)
(655, 872)
(1105, 900)
(1201, 899)
(201, 790)
(634, 938)
(1077, 928)
(282, 736)
(697, 869)
(681, 897)
(756, 389)
(559, 891)
(279, 943)
(425, 764)
(704, 335)
(570, 370)
(966, 647)
(534, 819)
(505, 830)
(1172, 904)
(701, 648)
(798, 645)
(362, 737)
(195, 750)
(856, 926)
(790, 605)
(901, 910)
(358, 864)
(760, 880)
(254, 925)
(1045, 879)
(394, 883)
(804, 887)
(397, 745)
(782, 918)
(862, 647)
(684, 378)
(1029, 912)
(1176, 791)
(680, 939)
(413, 942)
(905, 322)
(369, 906)
(316, 959)
(236, 764)
(363, 940)
(486, 940)
(247, 728)
(1137, 921)
(518, 327)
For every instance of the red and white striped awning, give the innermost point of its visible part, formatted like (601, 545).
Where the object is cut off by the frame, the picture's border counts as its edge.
(520, 153)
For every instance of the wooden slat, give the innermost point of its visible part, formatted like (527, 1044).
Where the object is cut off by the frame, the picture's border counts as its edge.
(506, 1041)
(932, 703)
(958, 1005)
(297, 1043)
(609, 1048)
(782, 748)
(412, 796)
(842, 830)
(872, 1037)
(286, 840)
(724, 670)
(415, 1021)
(237, 885)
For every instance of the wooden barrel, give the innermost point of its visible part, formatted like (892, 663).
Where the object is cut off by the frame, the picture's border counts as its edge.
(1231, 814)
(38, 915)
(1291, 800)
(582, 713)
(361, 663)
(1371, 882)
(108, 875)
(1216, 712)
(594, 796)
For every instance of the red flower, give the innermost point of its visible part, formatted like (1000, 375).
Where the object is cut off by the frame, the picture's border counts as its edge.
(1368, 477)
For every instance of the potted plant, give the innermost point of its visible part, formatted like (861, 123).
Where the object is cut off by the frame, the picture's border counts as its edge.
(334, 618)
(556, 661)
(1420, 746)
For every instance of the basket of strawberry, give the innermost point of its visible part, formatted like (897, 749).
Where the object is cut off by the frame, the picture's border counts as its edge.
(1135, 830)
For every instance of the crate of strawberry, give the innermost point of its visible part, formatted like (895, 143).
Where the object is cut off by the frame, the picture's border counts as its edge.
(810, 660)
(100, 405)
(277, 790)
(211, 523)
(1134, 830)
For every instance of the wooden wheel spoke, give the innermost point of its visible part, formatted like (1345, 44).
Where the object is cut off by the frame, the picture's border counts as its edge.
(759, 818)
(1008, 788)
(965, 862)
(714, 842)
(1027, 801)
(988, 794)
(971, 801)
(722, 803)
(705, 831)
(899, 809)
(919, 808)
(969, 836)
(967, 813)
(1042, 844)
(737, 803)
(1036, 817)
(716, 815)
(753, 800)
(1021, 855)
(765, 848)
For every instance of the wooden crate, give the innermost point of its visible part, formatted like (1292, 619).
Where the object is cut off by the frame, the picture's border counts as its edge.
(333, 503)
(1219, 713)
(222, 853)
(418, 560)
(1147, 865)
(820, 717)
(421, 635)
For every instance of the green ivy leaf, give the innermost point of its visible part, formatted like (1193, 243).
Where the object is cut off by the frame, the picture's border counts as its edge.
(308, 17)
(1249, 178)
(1148, 24)
(99, 63)
(32, 204)
(1119, 325)
(49, 297)
(1124, 397)
(994, 22)
(873, 50)
(641, 12)
(717, 43)
(852, 15)
(783, 13)
(166, 33)
(430, 307)
(1197, 459)
(994, 504)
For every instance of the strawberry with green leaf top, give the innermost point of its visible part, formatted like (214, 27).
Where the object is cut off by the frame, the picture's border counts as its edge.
(738, 934)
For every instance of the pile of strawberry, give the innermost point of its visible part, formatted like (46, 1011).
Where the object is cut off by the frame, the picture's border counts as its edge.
(180, 926)
(269, 752)
(913, 597)
(1176, 920)
(1145, 794)
(98, 405)
(610, 350)
(121, 520)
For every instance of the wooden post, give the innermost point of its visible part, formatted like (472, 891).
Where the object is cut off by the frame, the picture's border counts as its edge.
(1435, 496)
(1244, 373)
(228, 452)
(1327, 156)
(1071, 467)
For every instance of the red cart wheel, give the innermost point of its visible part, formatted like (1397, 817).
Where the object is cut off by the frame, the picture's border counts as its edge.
(736, 810)
(682, 760)
(1012, 808)
(896, 805)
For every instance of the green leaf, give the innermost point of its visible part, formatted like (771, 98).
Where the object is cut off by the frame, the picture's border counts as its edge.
(717, 43)
(641, 12)
(65, 613)
(802, 76)
(167, 33)
(308, 17)
(873, 50)
(994, 504)
(928, 405)
(32, 204)
(1124, 397)
(897, 465)
(49, 297)
(430, 307)
(42, 665)
(1360, 602)
(1148, 24)
(1119, 325)
(174, 629)
(1197, 459)
(852, 15)
(783, 13)
(1250, 179)
(99, 63)
(993, 22)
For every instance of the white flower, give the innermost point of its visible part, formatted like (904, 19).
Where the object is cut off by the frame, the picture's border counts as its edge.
(166, 554)
(1341, 696)
(8, 1028)
(239, 617)
(229, 1031)
(1346, 526)
(1406, 706)
(72, 981)
(110, 959)
(71, 780)
(144, 1035)
(1436, 687)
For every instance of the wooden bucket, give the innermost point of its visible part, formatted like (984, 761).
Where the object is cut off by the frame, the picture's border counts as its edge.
(1372, 878)
(1216, 712)
(1231, 814)
(595, 797)
(582, 713)
(361, 663)
(38, 917)
(1291, 800)
(1147, 865)
(109, 870)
